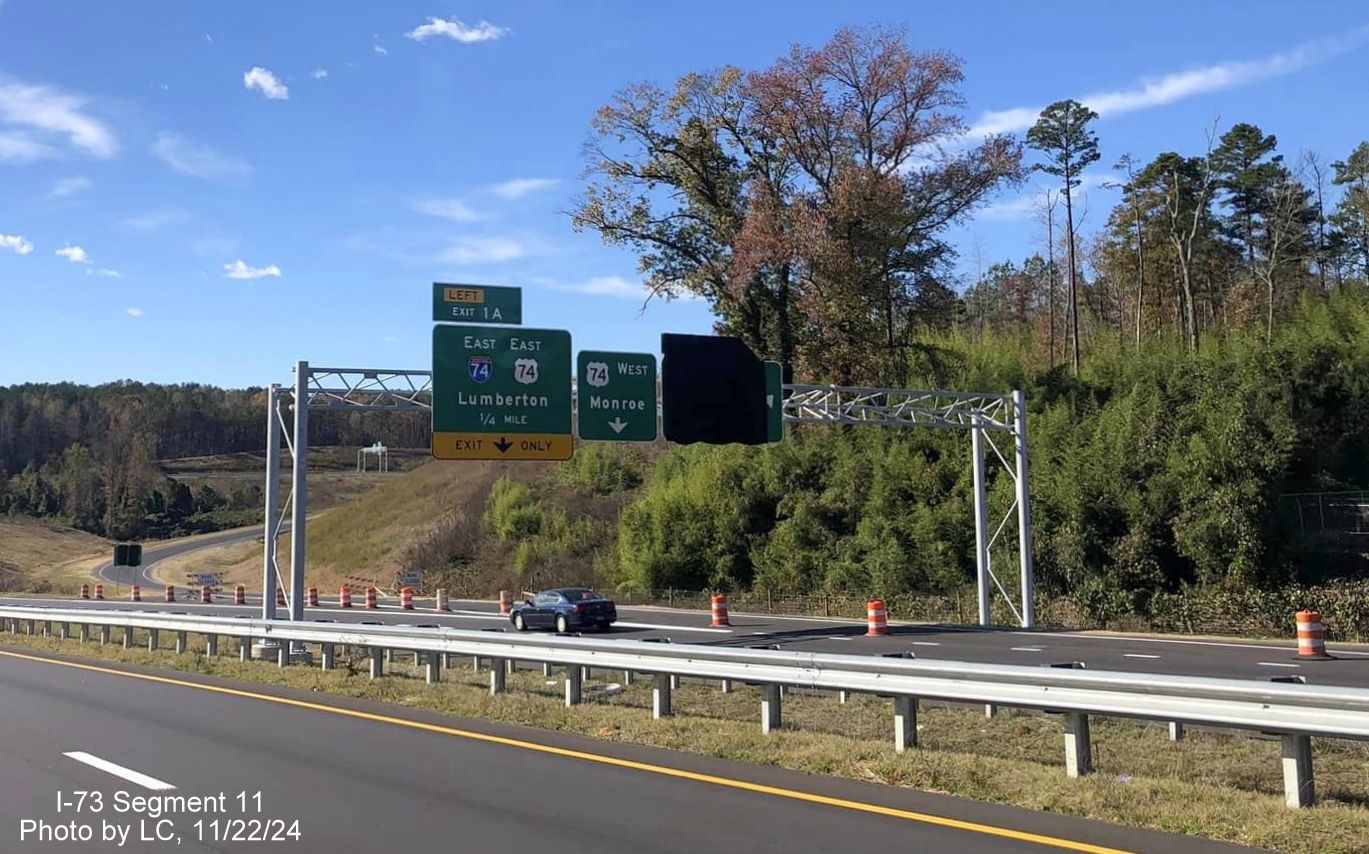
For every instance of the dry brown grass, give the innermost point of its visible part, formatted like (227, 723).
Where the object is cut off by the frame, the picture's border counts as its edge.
(38, 556)
(1216, 785)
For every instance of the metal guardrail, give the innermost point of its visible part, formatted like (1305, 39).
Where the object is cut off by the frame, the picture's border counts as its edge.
(1294, 712)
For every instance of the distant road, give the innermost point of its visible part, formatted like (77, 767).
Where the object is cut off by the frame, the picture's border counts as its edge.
(126, 576)
(361, 776)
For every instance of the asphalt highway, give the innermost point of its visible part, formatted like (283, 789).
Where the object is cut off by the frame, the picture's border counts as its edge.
(362, 776)
(1230, 658)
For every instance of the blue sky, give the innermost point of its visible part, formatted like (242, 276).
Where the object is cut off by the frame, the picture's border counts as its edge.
(210, 191)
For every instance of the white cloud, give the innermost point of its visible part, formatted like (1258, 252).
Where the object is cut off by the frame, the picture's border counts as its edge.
(452, 209)
(319, 73)
(456, 30)
(134, 312)
(607, 286)
(267, 83)
(482, 250)
(378, 48)
(1176, 86)
(152, 221)
(50, 110)
(69, 186)
(522, 186)
(15, 243)
(192, 158)
(22, 148)
(239, 270)
(389, 339)
(112, 274)
(74, 254)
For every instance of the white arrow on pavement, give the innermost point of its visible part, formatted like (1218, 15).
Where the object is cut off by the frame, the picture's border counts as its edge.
(617, 424)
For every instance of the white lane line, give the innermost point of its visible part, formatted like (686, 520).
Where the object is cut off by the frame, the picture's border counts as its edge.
(119, 771)
(1277, 664)
(1138, 655)
(838, 637)
(666, 628)
(1229, 644)
(926, 643)
(1026, 649)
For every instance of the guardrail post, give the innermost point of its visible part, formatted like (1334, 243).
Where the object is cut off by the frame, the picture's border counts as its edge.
(245, 649)
(771, 702)
(153, 639)
(434, 667)
(726, 686)
(1078, 746)
(47, 628)
(843, 696)
(905, 723)
(377, 662)
(180, 641)
(33, 627)
(674, 682)
(104, 635)
(61, 631)
(660, 695)
(627, 677)
(283, 654)
(85, 632)
(326, 656)
(128, 637)
(475, 662)
(510, 666)
(211, 646)
(1299, 790)
(575, 684)
(497, 676)
(546, 668)
(1176, 731)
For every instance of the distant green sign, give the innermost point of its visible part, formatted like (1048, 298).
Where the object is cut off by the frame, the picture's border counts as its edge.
(774, 402)
(616, 396)
(501, 394)
(477, 304)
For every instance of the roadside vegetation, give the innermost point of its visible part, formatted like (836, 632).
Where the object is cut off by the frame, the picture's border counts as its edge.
(40, 556)
(1211, 784)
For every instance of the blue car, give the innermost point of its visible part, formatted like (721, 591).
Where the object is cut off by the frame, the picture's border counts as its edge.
(565, 609)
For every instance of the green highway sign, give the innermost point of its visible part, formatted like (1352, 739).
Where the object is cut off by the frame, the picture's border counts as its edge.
(477, 304)
(501, 394)
(774, 402)
(616, 396)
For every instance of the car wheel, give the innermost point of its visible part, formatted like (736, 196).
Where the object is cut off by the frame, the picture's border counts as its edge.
(519, 624)
(561, 625)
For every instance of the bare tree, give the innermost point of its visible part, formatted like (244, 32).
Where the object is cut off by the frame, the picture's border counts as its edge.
(1284, 209)
(1187, 193)
(1046, 215)
(1126, 162)
(1311, 166)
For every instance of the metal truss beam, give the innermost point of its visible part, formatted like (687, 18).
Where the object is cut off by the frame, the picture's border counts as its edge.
(827, 404)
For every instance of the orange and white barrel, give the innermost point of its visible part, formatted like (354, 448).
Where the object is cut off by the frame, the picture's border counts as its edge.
(876, 618)
(406, 598)
(440, 603)
(313, 597)
(135, 593)
(99, 591)
(206, 594)
(240, 595)
(720, 610)
(505, 603)
(280, 596)
(371, 598)
(344, 596)
(1311, 635)
(85, 591)
(171, 593)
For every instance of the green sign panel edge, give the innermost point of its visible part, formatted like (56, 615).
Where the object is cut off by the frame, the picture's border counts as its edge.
(774, 401)
(628, 411)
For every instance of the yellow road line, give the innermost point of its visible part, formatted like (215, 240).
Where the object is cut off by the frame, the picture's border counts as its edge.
(663, 770)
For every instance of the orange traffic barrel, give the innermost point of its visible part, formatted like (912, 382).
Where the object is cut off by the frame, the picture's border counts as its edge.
(280, 596)
(371, 598)
(505, 602)
(99, 591)
(206, 594)
(344, 596)
(313, 597)
(1311, 636)
(440, 603)
(720, 610)
(171, 593)
(406, 598)
(85, 591)
(877, 620)
(240, 595)
(135, 593)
